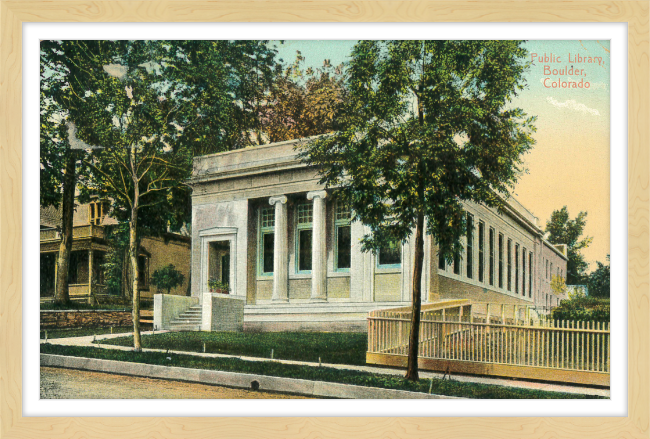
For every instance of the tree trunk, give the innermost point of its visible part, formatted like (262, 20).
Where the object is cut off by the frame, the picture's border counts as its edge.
(414, 336)
(134, 246)
(126, 279)
(61, 292)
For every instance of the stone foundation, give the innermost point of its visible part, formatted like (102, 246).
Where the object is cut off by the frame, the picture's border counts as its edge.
(85, 319)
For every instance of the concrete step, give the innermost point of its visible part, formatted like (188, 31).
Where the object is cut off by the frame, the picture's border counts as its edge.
(186, 322)
(185, 328)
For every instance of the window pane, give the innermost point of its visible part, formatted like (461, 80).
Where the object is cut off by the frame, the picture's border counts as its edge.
(391, 254)
(267, 255)
(509, 279)
(305, 213)
(267, 218)
(470, 246)
(304, 250)
(500, 260)
(517, 268)
(491, 273)
(481, 250)
(343, 246)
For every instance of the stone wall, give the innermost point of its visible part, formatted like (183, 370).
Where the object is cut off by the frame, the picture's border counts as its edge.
(85, 319)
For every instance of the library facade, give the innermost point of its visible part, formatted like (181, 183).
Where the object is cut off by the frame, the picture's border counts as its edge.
(263, 225)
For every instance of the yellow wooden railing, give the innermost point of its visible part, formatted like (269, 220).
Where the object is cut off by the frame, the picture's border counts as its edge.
(449, 334)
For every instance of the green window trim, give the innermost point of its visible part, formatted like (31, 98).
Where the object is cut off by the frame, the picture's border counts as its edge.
(342, 220)
(304, 225)
(266, 227)
(392, 245)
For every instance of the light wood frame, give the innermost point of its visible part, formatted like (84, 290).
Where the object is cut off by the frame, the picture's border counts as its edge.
(14, 13)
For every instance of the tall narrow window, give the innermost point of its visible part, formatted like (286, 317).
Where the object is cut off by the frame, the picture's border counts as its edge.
(523, 271)
(343, 237)
(267, 241)
(517, 268)
(491, 267)
(550, 273)
(441, 262)
(546, 269)
(509, 280)
(481, 250)
(500, 260)
(456, 263)
(470, 246)
(530, 277)
(304, 220)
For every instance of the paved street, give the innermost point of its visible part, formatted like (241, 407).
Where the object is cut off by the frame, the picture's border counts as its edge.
(59, 383)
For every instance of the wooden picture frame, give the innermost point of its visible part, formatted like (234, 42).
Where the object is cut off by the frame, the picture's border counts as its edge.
(13, 13)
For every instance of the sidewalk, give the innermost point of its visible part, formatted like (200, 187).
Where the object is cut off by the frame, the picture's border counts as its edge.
(550, 387)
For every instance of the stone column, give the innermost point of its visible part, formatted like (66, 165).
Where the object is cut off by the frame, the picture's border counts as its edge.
(280, 250)
(318, 248)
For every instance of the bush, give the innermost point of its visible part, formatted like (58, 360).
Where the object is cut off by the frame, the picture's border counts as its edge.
(583, 309)
(167, 278)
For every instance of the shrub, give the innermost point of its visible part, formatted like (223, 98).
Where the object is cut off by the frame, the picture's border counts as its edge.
(583, 309)
(167, 278)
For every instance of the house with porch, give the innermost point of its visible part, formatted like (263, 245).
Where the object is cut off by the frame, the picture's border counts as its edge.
(263, 224)
(90, 244)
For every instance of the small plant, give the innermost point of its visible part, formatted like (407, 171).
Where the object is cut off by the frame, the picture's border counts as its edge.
(216, 286)
(167, 278)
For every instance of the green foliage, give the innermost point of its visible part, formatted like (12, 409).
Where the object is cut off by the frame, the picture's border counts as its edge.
(215, 284)
(424, 127)
(598, 281)
(166, 278)
(303, 103)
(345, 376)
(558, 286)
(583, 309)
(577, 293)
(564, 230)
(114, 266)
(331, 347)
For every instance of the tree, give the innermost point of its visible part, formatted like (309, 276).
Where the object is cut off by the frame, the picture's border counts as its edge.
(558, 286)
(302, 103)
(425, 127)
(563, 230)
(598, 281)
(167, 278)
(150, 106)
(60, 162)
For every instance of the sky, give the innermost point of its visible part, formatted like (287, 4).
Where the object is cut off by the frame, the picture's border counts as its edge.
(569, 164)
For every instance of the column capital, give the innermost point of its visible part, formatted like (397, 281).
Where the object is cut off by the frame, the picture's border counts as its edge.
(278, 199)
(316, 194)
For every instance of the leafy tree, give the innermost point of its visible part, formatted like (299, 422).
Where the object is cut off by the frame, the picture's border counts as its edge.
(166, 278)
(149, 107)
(563, 230)
(425, 127)
(60, 162)
(598, 281)
(302, 103)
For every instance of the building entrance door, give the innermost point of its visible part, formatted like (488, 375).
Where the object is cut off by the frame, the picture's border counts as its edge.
(219, 263)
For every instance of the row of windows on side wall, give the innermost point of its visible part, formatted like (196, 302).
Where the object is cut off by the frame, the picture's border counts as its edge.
(496, 265)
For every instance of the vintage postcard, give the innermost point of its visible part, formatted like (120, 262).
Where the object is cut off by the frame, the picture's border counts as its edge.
(226, 219)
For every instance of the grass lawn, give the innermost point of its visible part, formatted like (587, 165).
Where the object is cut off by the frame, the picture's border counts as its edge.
(331, 347)
(80, 332)
(438, 386)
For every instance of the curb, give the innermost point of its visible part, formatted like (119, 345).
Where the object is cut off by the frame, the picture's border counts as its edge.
(234, 379)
